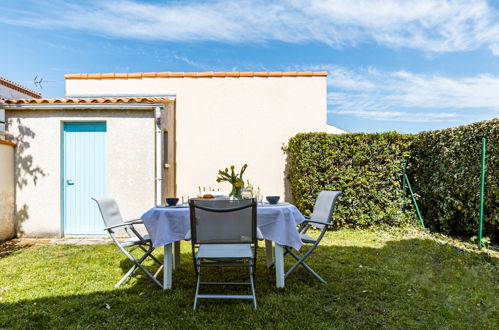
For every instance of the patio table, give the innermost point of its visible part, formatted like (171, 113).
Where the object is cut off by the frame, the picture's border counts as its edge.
(277, 223)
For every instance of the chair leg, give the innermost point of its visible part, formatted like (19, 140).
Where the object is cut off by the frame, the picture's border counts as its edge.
(252, 281)
(198, 296)
(152, 257)
(313, 272)
(151, 276)
(155, 259)
(138, 263)
(158, 271)
(272, 265)
(197, 288)
(126, 276)
(130, 271)
(253, 274)
(301, 261)
(294, 266)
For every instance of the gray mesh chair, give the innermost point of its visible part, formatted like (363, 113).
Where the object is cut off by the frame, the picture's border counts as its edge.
(321, 219)
(224, 234)
(116, 226)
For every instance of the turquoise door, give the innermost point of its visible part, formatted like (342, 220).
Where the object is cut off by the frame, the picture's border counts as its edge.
(84, 176)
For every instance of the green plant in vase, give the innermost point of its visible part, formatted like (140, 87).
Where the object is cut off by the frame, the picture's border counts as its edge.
(235, 179)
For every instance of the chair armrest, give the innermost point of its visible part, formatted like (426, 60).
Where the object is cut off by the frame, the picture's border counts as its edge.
(134, 222)
(137, 234)
(117, 226)
(318, 222)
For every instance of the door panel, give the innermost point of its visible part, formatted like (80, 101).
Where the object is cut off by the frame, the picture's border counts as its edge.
(84, 176)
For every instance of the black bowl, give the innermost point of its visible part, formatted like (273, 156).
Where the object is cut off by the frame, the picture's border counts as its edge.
(273, 199)
(172, 201)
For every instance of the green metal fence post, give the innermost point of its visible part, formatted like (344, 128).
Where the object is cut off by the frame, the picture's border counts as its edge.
(482, 191)
(414, 200)
(403, 180)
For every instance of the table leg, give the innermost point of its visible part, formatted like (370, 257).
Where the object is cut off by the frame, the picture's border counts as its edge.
(176, 255)
(167, 270)
(279, 266)
(269, 251)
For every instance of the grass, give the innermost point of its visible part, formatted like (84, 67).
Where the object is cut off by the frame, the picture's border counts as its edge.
(395, 279)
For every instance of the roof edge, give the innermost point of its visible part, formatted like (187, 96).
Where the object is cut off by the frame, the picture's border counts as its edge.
(8, 142)
(211, 74)
(19, 88)
(101, 100)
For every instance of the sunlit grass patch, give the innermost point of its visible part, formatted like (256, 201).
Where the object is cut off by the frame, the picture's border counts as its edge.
(392, 278)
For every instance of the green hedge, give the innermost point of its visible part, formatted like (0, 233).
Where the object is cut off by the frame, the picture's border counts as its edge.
(366, 167)
(445, 168)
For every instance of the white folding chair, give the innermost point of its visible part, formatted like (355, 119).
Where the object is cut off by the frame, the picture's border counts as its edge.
(114, 224)
(321, 219)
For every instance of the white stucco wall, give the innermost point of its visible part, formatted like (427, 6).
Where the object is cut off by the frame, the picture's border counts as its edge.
(7, 191)
(130, 163)
(228, 120)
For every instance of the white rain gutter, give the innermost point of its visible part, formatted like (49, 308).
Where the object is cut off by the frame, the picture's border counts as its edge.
(80, 106)
(96, 96)
(159, 174)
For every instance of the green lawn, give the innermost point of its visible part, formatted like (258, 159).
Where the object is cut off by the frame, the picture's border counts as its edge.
(395, 279)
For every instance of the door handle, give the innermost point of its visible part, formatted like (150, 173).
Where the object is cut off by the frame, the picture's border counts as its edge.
(70, 182)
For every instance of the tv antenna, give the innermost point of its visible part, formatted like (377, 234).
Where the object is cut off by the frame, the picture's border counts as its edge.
(39, 81)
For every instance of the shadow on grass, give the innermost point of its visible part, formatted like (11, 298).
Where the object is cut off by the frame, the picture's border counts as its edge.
(405, 283)
(11, 246)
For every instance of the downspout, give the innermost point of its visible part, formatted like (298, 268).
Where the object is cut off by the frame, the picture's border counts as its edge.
(159, 174)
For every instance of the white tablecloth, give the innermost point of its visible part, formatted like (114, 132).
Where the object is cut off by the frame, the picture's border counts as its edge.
(277, 223)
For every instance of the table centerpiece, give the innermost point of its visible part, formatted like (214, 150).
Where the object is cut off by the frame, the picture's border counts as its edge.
(235, 179)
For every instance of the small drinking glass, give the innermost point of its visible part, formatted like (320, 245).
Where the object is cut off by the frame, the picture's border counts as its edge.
(258, 198)
(185, 200)
(246, 194)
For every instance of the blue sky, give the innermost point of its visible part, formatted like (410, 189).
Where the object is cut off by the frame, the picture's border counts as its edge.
(392, 65)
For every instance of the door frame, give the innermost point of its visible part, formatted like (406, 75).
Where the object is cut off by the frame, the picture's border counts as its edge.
(63, 174)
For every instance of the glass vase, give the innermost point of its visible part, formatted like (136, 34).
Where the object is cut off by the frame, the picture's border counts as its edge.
(236, 193)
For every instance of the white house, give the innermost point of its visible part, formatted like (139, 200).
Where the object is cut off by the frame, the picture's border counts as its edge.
(141, 137)
(11, 90)
(335, 130)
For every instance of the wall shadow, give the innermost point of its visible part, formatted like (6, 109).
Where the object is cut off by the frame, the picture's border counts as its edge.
(26, 171)
(406, 283)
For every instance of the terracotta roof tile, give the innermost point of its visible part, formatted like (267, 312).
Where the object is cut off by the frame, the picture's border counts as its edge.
(192, 75)
(8, 142)
(90, 100)
(19, 88)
